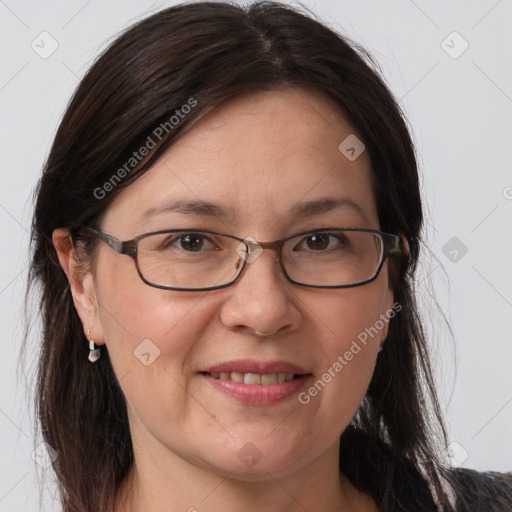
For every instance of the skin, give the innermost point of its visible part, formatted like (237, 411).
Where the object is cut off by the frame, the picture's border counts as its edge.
(260, 154)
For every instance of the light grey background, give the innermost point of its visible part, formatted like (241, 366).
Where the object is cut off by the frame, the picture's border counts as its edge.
(460, 112)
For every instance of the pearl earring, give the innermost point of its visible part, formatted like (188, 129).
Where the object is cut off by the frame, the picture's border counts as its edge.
(94, 353)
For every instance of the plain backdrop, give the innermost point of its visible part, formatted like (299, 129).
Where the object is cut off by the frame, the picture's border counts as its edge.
(449, 65)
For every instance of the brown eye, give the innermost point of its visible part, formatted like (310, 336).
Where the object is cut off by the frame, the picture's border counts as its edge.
(192, 242)
(318, 241)
(189, 242)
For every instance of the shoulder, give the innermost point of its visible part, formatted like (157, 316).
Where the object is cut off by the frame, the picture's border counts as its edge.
(475, 491)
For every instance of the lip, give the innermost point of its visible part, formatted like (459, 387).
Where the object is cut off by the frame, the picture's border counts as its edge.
(257, 394)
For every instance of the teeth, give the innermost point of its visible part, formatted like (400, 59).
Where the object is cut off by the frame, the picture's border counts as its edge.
(253, 378)
(269, 378)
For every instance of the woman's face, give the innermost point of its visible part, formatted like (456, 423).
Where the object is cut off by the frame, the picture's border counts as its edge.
(257, 157)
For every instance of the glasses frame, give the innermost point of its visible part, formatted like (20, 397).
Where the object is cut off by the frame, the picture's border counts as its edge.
(391, 244)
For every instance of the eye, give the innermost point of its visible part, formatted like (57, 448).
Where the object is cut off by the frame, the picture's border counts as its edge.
(189, 242)
(319, 241)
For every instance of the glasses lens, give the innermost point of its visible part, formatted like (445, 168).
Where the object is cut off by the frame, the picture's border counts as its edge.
(188, 259)
(333, 258)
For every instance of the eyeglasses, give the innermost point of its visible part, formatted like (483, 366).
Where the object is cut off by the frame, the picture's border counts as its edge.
(200, 260)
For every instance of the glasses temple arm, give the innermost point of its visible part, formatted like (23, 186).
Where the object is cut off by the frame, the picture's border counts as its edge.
(128, 248)
(395, 244)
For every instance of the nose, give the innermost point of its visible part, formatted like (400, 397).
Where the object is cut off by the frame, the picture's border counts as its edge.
(261, 301)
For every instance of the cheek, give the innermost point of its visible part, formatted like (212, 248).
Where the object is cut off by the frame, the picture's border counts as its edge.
(149, 332)
(150, 335)
(349, 331)
(132, 311)
(353, 316)
(159, 320)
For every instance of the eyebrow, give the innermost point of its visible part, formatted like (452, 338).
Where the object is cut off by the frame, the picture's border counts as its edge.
(209, 209)
(192, 207)
(325, 204)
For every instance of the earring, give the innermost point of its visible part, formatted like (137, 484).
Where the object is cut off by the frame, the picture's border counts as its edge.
(94, 353)
(381, 348)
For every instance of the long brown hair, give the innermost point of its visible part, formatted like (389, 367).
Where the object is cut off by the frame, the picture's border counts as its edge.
(211, 52)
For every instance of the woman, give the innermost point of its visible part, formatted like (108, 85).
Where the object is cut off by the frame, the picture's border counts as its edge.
(226, 234)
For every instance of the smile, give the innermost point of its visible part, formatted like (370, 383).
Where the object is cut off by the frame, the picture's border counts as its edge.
(254, 378)
(254, 382)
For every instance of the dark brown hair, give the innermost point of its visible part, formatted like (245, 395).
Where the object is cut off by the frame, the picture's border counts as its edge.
(210, 52)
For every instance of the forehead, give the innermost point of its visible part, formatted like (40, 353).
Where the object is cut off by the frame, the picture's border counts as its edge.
(259, 157)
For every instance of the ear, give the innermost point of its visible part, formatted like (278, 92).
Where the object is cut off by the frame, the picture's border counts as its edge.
(81, 283)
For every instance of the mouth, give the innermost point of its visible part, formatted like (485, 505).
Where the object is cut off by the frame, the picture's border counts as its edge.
(257, 383)
(254, 378)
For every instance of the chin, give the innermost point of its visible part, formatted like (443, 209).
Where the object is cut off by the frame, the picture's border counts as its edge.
(259, 472)
(251, 461)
